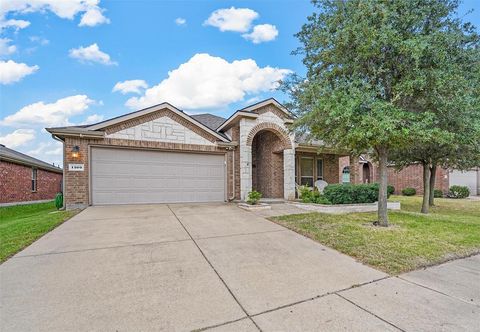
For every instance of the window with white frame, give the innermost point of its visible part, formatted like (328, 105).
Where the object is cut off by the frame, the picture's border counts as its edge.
(34, 179)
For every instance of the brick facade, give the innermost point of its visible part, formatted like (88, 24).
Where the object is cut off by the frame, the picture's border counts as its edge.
(409, 177)
(77, 186)
(330, 166)
(261, 154)
(267, 164)
(16, 183)
(412, 177)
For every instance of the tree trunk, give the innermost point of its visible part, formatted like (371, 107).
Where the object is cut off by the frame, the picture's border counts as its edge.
(426, 187)
(382, 192)
(433, 172)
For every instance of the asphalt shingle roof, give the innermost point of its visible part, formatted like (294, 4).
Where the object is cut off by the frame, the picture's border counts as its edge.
(15, 156)
(209, 120)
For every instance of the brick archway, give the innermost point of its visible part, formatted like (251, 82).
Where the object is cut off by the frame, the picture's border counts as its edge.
(272, 127)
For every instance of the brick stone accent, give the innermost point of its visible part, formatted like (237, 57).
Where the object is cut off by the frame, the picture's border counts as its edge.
(272, 109)
(273, 127)
(163, 129)
(16, 183)
(156, 115)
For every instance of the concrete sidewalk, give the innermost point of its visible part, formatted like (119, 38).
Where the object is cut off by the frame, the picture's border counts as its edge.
(217, 267)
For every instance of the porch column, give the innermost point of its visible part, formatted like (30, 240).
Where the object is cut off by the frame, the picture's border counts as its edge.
(354, 170)
(245, 171)
(289, 174)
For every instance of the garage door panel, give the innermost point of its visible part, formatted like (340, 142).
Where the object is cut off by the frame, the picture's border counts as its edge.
(465, 178)
(121, 176)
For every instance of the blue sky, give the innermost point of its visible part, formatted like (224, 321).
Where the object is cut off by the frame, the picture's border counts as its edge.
(60, 62)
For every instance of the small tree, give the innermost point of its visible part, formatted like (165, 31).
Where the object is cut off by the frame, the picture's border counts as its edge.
(365, 75)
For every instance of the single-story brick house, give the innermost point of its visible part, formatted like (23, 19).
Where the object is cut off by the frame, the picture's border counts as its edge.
(161, 154)
(410, 176)
(27, 179)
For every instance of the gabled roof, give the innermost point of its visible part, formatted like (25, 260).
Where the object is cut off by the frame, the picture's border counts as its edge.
(266, 102)
(249, 111)
(20, 158)
(96, 129)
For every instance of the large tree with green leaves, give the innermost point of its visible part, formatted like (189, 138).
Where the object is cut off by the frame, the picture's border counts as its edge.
(366, 76)
(452, 79)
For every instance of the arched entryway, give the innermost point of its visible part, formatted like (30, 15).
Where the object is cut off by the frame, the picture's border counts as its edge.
(267, 161)
(366, 176)
(267, 164)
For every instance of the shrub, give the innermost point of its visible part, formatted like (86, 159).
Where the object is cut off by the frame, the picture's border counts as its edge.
(59, 201)
(409, 192)
(437, 193)
(351, 193)
(458, 192)
(390, 190)
(253, 197)
(309, 196)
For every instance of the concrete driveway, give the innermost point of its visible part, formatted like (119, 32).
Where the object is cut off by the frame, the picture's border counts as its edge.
(206, 267)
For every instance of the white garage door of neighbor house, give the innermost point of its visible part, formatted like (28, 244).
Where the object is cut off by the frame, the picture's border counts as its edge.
(125, 176)
(468, 178)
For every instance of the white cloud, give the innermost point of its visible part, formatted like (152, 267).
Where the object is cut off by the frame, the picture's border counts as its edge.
(91, 54)
(53, 148)
(40, 40)
(94, 118)
(15, 24)
(180, 21)
(17, 138)
(133, 86)
(51, 115)
(5, 48)
(262, 33)
(208, 81)
(232, 19)
(92, 13)
(92, 17)
(11, 72)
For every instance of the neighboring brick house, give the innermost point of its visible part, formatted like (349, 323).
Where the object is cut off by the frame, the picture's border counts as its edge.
(25, 179)
(161, 154)
(410, 176)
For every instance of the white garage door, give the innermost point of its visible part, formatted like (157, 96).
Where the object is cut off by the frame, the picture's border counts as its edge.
(468, 178)
(124, 176)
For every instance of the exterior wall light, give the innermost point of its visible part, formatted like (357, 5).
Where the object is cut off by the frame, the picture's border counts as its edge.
(75, 151)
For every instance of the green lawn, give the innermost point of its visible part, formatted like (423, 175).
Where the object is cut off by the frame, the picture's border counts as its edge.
(21, 225)
(414, 240)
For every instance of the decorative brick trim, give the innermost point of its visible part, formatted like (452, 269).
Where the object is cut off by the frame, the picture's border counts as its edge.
(180, 147)
(275, 128)
(158, 114)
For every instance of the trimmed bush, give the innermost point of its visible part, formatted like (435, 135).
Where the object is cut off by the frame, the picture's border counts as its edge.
(437, 193)
(390, 189)
(409, 192)
(458, 192)
(59, 201)
(351, 193)
(253, 197)
(309, 196)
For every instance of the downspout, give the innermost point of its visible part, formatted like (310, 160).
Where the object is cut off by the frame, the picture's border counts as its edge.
(63, 177)
(233, 174)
